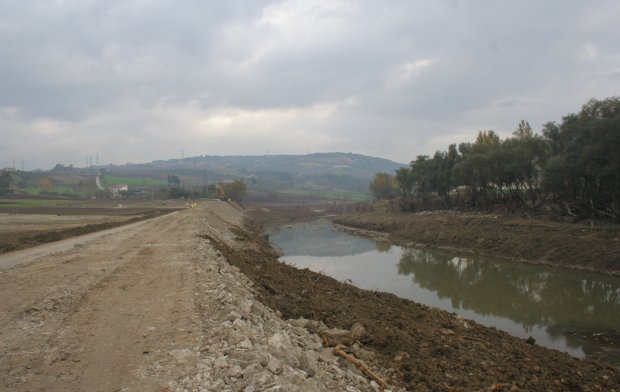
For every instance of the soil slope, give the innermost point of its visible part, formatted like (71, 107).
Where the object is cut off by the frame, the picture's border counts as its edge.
(162, 306)
(426, 349)
(588, 245)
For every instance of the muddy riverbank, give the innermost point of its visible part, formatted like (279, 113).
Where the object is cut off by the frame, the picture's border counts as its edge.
(425, 348)
(587, 245)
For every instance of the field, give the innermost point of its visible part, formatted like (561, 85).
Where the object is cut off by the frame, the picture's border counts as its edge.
(39, 203)
(29, 222)
(133, 181)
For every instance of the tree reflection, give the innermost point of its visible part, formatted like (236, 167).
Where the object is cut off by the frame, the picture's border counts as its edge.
(528, 295)
(382, 247)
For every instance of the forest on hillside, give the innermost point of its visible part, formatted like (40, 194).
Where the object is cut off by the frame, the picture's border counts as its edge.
(573, 166)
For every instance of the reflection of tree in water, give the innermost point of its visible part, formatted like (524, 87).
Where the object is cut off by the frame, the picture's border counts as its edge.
(382, 247)
(526, 294)
(592, 343)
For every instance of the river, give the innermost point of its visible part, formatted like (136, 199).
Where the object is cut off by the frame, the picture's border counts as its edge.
(572, 311)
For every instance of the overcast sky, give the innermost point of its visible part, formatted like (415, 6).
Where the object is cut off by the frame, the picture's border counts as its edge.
(139, 80)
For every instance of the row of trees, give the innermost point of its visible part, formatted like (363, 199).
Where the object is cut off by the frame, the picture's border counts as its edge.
(574, 164)
(234, 190)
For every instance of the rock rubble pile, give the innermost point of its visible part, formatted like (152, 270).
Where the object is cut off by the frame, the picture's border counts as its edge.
(246, 346)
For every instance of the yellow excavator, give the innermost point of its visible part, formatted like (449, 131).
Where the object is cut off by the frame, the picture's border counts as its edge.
(220, 193)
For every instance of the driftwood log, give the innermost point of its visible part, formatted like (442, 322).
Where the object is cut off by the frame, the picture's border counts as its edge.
(338, 350)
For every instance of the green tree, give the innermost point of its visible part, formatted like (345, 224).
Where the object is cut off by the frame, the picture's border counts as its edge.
(601, 164)
(421, 175)
(522, 159)
(235, 190)
(45, 185)
(575, 163)
(178, 193)
(5, 182)
(382, 187)
(174, 180)
(479, 168)
(488, 138)
(209, 191)
(405, 181)
(584, 166)
(523, 131)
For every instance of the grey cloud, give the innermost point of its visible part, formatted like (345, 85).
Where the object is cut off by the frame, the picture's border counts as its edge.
(411, 71)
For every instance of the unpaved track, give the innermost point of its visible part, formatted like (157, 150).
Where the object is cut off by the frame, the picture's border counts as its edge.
(99, 316)
(155, 307)
(12, 259)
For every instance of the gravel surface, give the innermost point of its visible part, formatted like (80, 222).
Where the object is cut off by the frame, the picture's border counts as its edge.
(155, 307)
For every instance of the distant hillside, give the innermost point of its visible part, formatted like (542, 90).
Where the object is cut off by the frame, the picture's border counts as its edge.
(321, 172)
(272, 177)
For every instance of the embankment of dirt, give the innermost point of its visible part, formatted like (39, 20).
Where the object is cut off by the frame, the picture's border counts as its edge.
(587, 245)
(425, 348)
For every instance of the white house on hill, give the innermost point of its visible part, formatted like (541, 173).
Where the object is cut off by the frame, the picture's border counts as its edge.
(116, 190)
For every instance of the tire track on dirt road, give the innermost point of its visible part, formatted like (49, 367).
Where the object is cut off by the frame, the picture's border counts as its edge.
(60, 266)
(92, 317)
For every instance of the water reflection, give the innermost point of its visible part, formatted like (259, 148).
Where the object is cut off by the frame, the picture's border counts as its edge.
(583, 309)
(569, 310)
(528, 295)
(382, 246)
(318, 238)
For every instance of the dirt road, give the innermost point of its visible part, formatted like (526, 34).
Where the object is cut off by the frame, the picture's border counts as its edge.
(86, 319)
(152, 307)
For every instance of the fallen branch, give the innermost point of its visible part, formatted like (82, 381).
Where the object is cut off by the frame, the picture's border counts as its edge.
(601, 212)
(338, 350)
(568, 209)
(464, 337)
(499, 387)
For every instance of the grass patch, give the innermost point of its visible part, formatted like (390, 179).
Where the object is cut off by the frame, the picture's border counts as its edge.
(22, 203)
(135, 181)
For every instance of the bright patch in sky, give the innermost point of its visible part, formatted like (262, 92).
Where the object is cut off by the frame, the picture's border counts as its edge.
(136, 81)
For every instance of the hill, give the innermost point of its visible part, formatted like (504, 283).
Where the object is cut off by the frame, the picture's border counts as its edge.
(316, 175)
(273, 177)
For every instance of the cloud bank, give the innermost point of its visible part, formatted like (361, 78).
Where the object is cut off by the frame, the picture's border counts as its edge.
(139, 80)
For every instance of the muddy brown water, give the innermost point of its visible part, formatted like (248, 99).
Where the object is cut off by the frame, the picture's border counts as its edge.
(572, 311)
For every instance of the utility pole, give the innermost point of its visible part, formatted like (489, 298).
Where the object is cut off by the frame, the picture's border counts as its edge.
(206, 179)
